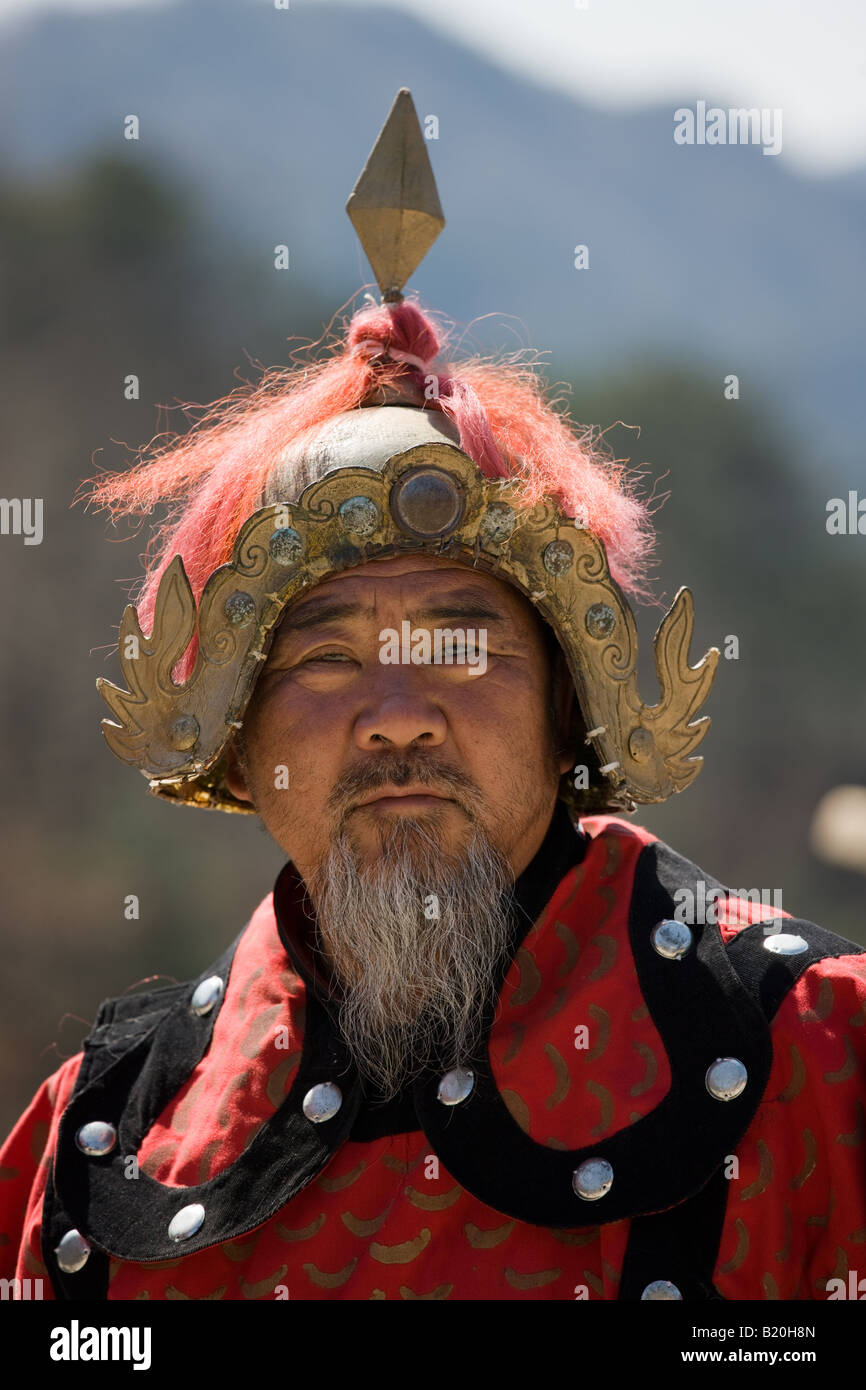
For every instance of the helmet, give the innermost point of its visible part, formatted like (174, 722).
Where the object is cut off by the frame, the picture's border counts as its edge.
(376, 452)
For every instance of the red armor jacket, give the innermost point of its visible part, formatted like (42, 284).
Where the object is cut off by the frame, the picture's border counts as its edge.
(652, 1115)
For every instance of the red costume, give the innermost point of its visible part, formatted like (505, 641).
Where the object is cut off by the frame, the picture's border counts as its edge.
(474, 1200)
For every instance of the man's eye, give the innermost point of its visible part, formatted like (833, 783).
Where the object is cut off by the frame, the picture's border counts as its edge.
(327, 656)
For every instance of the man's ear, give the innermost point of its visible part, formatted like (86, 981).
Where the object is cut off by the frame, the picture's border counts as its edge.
(564, 705)
(235, 777)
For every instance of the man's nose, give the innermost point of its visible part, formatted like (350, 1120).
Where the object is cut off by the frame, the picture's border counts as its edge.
(400, 712)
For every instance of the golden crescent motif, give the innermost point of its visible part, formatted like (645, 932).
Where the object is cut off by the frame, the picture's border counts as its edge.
(563, 1077)
(858, 1133)
(784, 1254)
(572, 948)
(487, 1240)
(364, 1228)
(339, 1184)
(809, 1161)
(258, 1031)
(603, 1095)
(531, 1281)
(823, 1004)
(237, 1083)
(741, 1251)
(847, 1069)
(603, 1033)
(515, 1042)
(404, 1252)
(765, 1174)
(440, 1292)
(263, 1286)
(587, 1237)
(798, 1076)
(530, 979)
(304, 1232)
(276, 1088)
(429, 1202)
(608, 949)
(238, 1253)
(330, 1281)
(652, 1069)
(517, 1109)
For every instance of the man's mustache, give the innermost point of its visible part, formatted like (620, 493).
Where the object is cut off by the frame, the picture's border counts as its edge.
(400, 772)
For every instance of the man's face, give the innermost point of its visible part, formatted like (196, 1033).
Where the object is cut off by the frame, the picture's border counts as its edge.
(331, 725)
(409, 796)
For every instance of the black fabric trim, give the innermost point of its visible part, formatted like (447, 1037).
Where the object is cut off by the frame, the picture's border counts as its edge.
(768, 976)
(680, 1245)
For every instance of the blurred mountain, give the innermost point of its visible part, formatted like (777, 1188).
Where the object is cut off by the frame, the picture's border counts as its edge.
(719, 256)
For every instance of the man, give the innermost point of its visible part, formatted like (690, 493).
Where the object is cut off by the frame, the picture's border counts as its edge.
(481, 1041)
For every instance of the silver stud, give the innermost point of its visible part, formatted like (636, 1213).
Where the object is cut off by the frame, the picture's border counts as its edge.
(186, 1222)
(455, 1086)
(240, 608)
(73, 1252)
(661, 1288)
(184, 732)
(600, 620)
(96, 1138)
(206, 995)
(285, 546)
(498, 522)
(360, 515)
(671, 939)
(558, 557)
(322, 1102)
(785, 944)
(592, 1179)
(427, 502)
(726, 1078)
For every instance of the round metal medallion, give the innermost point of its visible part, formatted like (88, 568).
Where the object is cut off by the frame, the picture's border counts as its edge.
(96, 1138)
(592, 1179)
(427, 502)
(322, 1102)
(498, 522)
(206, 995)
(240, 608)
(671, 939)
(455, 1086)
(785, 944)
(285, 546)
(661, 1289)
(600, 620)
(360, 515)
(186, 1222)
(726, 1078)
(73, 1252)
(558, 557)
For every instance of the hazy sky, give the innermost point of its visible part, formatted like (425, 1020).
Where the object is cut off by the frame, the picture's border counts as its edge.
(807, 57)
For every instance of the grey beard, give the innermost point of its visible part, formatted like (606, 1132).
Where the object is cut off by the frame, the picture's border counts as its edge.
(414, 940)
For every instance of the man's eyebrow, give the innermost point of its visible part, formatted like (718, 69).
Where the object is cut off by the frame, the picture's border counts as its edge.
(463, 606)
